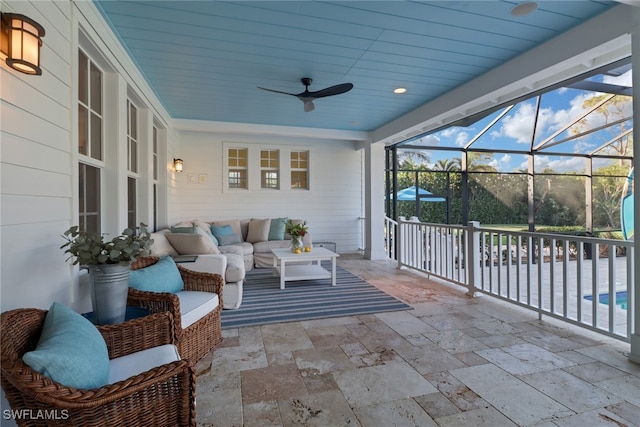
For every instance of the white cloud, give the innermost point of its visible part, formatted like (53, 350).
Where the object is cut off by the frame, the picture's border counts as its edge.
(502, 163)
(557, 164)
(551, 121)
(461, 139)
(454, 135)
(582, 146)
(449, 132)
(517, 125)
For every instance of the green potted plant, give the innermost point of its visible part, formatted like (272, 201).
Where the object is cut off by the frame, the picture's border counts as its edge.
(108, 263)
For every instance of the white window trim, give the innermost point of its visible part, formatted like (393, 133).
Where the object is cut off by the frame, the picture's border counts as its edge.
(254, 167)
(138, 142)
(225, 174)
(308, 170)
(85, 159)
(271, 169)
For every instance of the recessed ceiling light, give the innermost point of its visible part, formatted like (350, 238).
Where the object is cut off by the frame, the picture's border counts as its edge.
(400, 90)
(524, 8)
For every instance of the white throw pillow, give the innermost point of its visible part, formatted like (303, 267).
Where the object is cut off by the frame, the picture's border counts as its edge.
(258, 230)
(192, 244)
(204, 226)
(161, 245)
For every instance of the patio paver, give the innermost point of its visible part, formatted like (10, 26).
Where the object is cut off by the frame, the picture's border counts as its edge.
(475, 362)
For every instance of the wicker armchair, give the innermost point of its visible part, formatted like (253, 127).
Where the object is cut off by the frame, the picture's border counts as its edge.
(164, 395)
(199, 338)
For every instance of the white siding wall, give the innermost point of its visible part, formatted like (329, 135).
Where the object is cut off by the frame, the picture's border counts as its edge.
(332, 206)
(36, 167)
(38, 161)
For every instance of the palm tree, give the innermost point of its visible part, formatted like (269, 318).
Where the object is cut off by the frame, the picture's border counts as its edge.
(411, 157)
(447, 165)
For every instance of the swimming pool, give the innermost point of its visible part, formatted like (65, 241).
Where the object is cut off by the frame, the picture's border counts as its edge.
(621, 299)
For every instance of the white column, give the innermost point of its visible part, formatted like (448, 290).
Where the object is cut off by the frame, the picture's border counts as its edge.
(374, 200)
(145, 167)
(634, 355)
(114, 179)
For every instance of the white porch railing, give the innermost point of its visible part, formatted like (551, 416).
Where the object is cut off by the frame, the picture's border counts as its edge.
(586, 281)
(390, 232)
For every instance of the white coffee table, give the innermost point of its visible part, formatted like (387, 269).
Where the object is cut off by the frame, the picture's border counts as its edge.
(283, 259)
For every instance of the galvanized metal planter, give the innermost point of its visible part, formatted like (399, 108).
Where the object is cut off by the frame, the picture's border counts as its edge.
(109, 289)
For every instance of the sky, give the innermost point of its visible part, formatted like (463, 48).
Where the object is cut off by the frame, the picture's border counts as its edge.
(513, 131)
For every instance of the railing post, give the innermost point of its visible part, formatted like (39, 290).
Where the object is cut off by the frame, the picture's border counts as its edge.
(400, 232)
(473, 257)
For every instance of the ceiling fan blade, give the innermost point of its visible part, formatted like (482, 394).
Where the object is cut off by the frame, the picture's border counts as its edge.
(276, 91)
(308, 106)
(307, 97)
(330, 91)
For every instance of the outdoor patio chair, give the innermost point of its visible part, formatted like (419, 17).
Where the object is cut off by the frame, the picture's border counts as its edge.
(135, 394)
(196, 308)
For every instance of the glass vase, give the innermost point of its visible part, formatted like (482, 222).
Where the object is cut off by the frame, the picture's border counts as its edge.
(296, 244)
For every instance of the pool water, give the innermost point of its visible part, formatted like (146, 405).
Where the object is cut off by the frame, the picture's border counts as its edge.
(621, 299)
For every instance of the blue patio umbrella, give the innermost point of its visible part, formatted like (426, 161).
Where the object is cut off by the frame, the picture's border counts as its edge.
(409, 193)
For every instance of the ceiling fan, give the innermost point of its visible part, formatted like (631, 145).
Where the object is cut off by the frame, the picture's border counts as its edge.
(307, 97)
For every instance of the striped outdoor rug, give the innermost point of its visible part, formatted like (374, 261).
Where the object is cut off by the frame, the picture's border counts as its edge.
(263, 301)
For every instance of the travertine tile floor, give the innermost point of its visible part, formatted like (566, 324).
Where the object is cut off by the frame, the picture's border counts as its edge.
(451, 361)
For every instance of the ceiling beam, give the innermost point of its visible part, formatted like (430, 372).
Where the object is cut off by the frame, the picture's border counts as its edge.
(282, 131)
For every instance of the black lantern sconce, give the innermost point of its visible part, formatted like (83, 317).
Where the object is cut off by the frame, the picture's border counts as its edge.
(20, 42)
(177, 165)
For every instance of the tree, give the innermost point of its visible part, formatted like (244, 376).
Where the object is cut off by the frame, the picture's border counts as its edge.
(618, 108)
(409, 158)
(479, 162)
(608, 184)
(559, 199)
(447, 165)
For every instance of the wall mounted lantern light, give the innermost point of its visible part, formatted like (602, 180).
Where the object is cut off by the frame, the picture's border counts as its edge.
(20, 42)
(177, 165)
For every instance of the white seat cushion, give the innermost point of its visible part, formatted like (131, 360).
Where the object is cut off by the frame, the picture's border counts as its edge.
(235, 271)
(127, 366)
(232, 295)
(194, 305)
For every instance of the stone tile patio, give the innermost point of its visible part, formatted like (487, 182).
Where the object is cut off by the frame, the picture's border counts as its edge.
(451, 361)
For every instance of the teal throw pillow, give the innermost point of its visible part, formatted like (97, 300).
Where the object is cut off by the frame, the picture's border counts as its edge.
(277, 228)
(229, 239)
(71, 351)
(163, 276)
(187, 230)
(224, 230)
